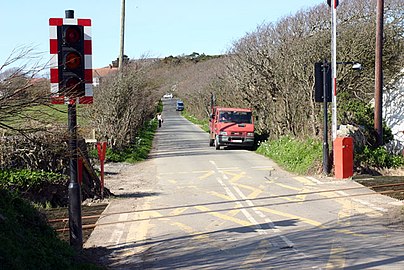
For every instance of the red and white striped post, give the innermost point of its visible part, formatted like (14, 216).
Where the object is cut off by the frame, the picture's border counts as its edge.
(334, 4)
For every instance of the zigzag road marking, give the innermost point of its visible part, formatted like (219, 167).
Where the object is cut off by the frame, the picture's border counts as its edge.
(224, 217)
(308, 221)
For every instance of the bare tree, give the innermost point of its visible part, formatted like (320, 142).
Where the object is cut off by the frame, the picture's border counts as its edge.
(122, 104)
(21, 90)
(272, 67)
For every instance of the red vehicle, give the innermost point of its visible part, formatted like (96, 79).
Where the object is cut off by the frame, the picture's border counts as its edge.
(231, 127)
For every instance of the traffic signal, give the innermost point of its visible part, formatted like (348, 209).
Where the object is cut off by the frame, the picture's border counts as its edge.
(71, 74)
(336, 3)
(319, 70)
(71, 60)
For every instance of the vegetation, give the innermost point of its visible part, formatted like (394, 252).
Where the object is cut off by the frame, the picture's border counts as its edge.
(123, 104)
(378, 158)
(298, 156)
(27, 242)
(202, 123)
(23, 179)
(34, 155)
(271, 70)
(138, 150)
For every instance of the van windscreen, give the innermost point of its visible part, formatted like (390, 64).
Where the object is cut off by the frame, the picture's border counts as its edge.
(235, 117)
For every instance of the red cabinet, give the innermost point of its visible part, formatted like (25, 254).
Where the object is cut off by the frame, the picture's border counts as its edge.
(343, 157)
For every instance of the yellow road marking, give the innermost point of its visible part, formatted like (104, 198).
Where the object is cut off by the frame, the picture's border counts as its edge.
(308, 221)
(222, 196)
(229, 169)
(288, 187)
(256, 255)
(138, 230)
(236, 176)
(172, 181)
(191, 231)
(264, 169)
(362, 209)
(298, 198)
(253, 189)
(302, 197)
(178, 211)
(291, 216)
(206, 175)
(254, 194)
(343, 216)
(175, 173)
(304, 180)
(337, 259)
(225, 217)
(290, 199)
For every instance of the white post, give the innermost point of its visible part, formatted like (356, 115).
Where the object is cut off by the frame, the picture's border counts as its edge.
(122, 37)
(334, 67)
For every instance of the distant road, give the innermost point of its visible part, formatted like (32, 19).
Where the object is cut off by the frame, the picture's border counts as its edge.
(235, 209)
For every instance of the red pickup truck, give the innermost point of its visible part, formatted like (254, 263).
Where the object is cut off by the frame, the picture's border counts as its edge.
(231, 127)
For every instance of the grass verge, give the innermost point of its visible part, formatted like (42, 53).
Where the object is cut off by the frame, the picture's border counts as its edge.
(47, 114)
(297, 156)
(203, 124)
(27, 242)
(137, 151)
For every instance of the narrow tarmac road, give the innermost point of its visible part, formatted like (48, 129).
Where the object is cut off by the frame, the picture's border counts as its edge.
(190, 206)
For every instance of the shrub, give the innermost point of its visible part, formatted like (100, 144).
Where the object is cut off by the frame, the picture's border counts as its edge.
(26, 241)
(26, 179)
(378, 158)
(299, 156)
(138, 150)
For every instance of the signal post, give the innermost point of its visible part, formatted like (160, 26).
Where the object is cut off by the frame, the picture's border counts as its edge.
(71, 84)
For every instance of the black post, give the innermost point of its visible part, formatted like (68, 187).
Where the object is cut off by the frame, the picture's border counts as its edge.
(325, 133)
(74, 190)
(75, 228)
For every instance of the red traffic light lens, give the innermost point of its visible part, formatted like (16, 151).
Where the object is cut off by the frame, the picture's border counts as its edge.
(72, 35)
(72, 61)
(73, 83)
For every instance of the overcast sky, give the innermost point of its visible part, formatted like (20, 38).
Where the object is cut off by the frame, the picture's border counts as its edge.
(154, 28)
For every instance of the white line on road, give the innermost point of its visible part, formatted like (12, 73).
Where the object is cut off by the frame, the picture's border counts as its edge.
(260, 230)
(118, 231)
(314, 180)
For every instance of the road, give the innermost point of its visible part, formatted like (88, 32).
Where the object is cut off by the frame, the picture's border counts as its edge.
(234, 209)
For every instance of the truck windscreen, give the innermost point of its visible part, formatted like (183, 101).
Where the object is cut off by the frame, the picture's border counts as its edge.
(235, 117)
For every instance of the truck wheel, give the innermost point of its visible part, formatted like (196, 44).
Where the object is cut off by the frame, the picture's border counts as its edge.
(217, 145)
(211, 142)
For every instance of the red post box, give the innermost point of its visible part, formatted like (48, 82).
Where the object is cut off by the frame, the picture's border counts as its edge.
(343, 157)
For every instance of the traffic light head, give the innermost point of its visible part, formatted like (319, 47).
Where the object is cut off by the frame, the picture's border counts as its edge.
(322, 82)
(71, 60)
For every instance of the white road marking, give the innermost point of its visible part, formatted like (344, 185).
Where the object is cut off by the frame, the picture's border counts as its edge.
(119, 228)
(260, 230)
(314, 180)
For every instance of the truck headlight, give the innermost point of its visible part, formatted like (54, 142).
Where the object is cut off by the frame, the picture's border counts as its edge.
(223, 133)
(250, 134)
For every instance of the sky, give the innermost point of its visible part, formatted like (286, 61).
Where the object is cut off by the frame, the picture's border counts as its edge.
(153, 28)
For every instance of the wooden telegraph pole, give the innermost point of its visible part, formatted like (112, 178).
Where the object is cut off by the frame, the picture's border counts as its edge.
(379, 73)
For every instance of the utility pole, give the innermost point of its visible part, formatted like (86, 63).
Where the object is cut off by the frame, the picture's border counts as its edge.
(121, 49)
(379, 73)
